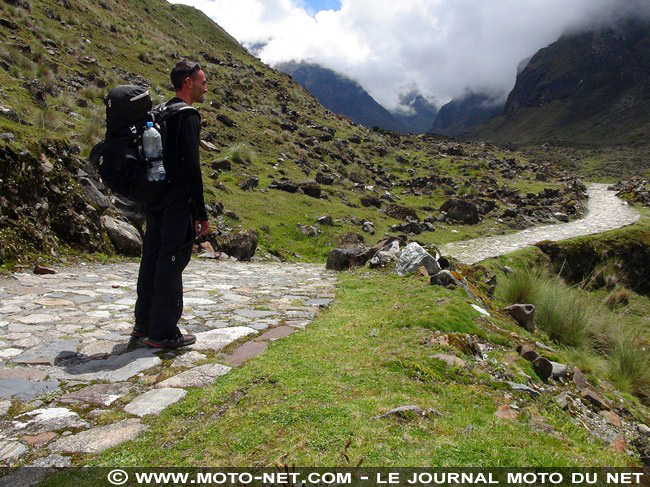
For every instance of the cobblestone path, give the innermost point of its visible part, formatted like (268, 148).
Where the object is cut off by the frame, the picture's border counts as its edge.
(64, 359)
(604, 212)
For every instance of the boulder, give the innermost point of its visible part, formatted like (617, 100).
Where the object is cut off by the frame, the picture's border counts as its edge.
(223, 165)
(445, 279)
(401, 212)
(351, 240)
(284, 184)
(368, 227)
(523, 314)
(369, 200)
(96, 197)
(310, 188)
(249, 182)
(124, 236)
(308, 230)
(462, 211)
(240, 244)
(325, 220)
(528, 352)
(414, 256)
(323, 178)
(343, 258)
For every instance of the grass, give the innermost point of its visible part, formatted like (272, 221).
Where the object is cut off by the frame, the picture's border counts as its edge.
(604, 342)
(361, 358)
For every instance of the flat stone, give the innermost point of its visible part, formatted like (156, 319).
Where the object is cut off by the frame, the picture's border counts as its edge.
(4, 407)
(320, 302)
(55, 302)
(11, 450)
(562, 400)
(217, 339)
(154, 401)
(593, 398)
(480, 310)
(54, 460)
(102, 348)
(276, 334)
(202, 375)
(99, 394)
(612, 418)
(643, 429)
(524, 388)
(48, 419)
(506, 412)
(450, 359)
(48, 352)
(254, 313)
(197, 301)
(238, 298)
(245, 352)
(98, 439)
(259, 326)
(188, 359)
(37, 318)
(117, 368)
(25, 389)
(9, 353)
(36, 441)
(22, 373)
(579, 379)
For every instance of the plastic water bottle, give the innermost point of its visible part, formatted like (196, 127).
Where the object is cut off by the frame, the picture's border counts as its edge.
(153, 151)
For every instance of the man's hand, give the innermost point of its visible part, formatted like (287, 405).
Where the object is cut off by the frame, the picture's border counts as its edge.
(201, 227)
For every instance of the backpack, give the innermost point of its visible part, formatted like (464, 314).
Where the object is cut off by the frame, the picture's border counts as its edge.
(119, 158)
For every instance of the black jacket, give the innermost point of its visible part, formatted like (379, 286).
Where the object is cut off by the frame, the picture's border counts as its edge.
(182, 163)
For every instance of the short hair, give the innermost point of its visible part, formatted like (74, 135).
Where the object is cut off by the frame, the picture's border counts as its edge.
(183, 70)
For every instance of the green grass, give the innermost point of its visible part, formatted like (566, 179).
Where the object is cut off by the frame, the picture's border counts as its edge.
(310, 394)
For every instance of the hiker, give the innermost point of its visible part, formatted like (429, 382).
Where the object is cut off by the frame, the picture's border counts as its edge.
(173, 222)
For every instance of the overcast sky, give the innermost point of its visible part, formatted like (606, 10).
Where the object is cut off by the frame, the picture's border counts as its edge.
(440, 47)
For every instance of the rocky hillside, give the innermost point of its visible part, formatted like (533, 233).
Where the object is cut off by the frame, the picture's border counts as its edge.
(588, 88)
(275, 160)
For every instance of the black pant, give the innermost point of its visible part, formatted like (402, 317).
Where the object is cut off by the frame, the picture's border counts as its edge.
(166, 252)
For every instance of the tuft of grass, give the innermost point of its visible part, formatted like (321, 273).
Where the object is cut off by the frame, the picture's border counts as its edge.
(92, 93)
(48, 119)
(242, 154)
(630, 367)
(562, 313)
(522, 286)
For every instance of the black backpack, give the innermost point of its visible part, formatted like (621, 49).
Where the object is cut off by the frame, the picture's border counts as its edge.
(119, 158)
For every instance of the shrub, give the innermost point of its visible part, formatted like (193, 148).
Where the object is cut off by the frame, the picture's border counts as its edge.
(241, 154)
(65, 101)
(561, 313)
(92, 93)
(522, 286)
(630, 368)
(49, 119)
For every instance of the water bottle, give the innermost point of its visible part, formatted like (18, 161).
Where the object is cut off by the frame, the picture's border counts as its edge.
(153, 151)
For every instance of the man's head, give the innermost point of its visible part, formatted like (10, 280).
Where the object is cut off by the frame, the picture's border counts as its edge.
(189, 81)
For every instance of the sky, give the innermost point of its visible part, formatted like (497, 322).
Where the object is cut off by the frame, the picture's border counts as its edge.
(441, 48)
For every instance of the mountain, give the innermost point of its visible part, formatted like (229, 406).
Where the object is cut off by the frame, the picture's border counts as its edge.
(463, 114)
(341, 95)
(421, 112)
(274, 160)
(588, 88)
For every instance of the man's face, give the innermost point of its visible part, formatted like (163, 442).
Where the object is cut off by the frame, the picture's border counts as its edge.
(198, 86)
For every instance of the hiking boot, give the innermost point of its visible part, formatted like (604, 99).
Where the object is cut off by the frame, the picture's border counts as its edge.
(138, 334)
(178, 341)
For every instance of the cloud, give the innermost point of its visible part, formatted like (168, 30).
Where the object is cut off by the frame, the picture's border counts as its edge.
(442, 48)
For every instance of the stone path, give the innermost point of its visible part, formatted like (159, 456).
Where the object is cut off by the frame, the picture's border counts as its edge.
(65, 370)
(604, 212)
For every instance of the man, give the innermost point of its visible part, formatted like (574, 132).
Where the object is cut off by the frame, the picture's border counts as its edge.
(173, 222)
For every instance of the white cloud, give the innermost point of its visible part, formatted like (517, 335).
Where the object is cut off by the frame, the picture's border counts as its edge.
(440, 47)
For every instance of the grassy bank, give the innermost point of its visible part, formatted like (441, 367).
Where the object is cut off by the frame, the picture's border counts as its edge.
(309, 395)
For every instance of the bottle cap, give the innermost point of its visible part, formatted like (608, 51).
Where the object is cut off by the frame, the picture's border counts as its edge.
(149, 124)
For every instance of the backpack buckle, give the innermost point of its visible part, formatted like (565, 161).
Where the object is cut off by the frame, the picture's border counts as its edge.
(133, 129)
